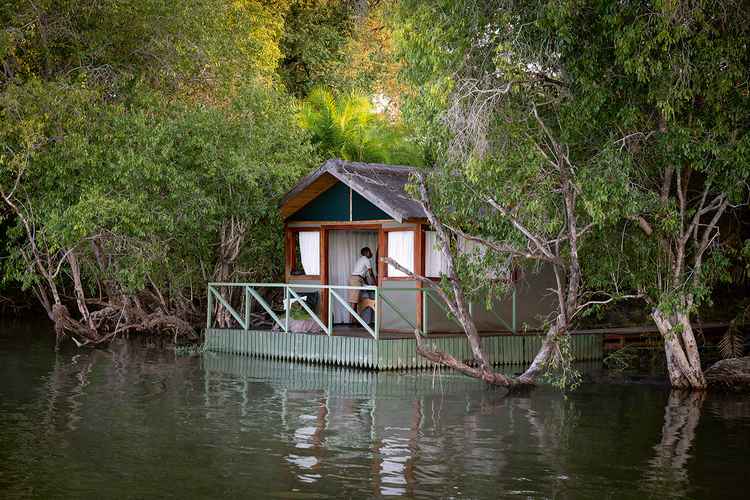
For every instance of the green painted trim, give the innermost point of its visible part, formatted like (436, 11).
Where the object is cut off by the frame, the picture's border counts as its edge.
(384, 354)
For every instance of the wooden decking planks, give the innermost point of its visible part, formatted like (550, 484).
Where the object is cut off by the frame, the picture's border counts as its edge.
(394, 353)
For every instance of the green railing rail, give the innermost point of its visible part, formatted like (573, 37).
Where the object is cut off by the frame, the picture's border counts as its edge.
(291, 295)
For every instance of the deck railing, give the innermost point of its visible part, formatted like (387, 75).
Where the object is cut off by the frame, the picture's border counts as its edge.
(292, 295)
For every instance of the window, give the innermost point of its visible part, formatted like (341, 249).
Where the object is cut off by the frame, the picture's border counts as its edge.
(305, 253)
(434, 264)
(400, 249)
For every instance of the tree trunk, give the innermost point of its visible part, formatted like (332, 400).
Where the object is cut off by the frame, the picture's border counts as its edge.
(681, 349)
(231, 238)
(75, 270)
(545, 353)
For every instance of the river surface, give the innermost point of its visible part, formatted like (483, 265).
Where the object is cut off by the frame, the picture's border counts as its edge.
(135, 421)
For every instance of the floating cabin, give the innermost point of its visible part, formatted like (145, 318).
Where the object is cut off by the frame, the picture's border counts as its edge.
(329, 216)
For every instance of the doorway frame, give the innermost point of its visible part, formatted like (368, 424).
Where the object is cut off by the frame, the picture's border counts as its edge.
(324, 232)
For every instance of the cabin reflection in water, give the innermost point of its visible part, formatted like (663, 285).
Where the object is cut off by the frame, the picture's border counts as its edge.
(328, 414)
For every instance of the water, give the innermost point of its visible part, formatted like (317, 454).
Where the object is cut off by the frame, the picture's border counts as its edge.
(138, 422)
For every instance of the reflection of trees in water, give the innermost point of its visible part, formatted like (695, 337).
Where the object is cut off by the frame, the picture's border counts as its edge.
(667, 470)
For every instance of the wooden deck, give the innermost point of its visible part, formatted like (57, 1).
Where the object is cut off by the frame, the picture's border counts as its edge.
(392, 351)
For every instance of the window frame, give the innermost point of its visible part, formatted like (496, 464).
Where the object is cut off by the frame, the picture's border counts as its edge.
(291, 245)
(415, 252)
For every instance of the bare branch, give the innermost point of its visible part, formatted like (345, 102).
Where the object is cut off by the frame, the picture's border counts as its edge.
(502, 248)
(584, 306)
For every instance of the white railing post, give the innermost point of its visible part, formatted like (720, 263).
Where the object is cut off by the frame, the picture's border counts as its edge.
(247, 309)
(210, 307)
(330, 312)
(377, 313)
(287, 307)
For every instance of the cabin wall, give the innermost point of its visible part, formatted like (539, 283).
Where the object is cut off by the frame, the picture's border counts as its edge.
(534, 303)
(404, 300)
(534, 300)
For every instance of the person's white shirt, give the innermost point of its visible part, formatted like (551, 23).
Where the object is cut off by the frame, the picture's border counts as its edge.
(361, 267)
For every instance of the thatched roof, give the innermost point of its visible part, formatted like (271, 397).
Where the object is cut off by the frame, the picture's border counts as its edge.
(382, 185)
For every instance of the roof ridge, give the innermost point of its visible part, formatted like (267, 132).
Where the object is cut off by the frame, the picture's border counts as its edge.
(373, 166)
(380, 183)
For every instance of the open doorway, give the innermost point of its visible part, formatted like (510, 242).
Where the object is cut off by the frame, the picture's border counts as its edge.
(343, 251)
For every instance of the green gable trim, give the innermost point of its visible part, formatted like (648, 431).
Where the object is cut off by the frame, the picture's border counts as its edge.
(364, 210)
(332, 205)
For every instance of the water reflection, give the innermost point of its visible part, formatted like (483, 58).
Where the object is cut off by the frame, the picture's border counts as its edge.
(130, 420)
(420, 434)
(668, 468)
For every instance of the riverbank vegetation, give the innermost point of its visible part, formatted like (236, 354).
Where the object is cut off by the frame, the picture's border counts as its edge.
(145, 147)
(609, 142)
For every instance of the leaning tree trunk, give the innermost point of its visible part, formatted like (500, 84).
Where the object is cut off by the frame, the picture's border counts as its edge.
(545, 353)
(681, 349)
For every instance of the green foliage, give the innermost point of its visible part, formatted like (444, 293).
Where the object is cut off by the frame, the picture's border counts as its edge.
(622, 359)
(316, 33)
(349, 128)
(671, 80)
(152, 180)
(629, 88)
(297, 312)
(185, 47)
(560, 370)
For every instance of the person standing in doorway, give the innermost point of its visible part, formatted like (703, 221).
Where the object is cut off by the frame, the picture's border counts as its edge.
(362, 275)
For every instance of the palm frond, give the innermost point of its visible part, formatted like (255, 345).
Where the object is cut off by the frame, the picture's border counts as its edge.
(348, 127)
(732, 343)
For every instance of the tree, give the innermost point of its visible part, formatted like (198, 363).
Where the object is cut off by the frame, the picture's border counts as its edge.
(142, 146)
(133, 208)
(646, 108)
(510, 175)
(314, 44)
(670, 82)
(187, 49)
(348, 127)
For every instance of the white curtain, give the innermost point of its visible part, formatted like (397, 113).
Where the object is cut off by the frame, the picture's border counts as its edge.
(401, 249)
(309, 249)
(343, 252)
(434, 260)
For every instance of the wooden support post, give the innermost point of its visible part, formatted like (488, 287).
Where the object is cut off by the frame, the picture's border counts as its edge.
(419, 257)
(324, 297)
